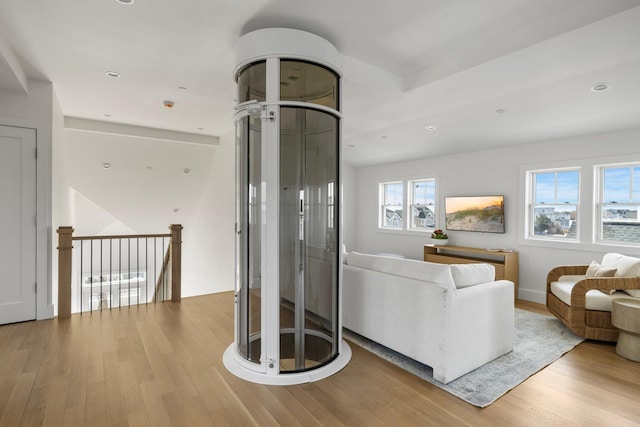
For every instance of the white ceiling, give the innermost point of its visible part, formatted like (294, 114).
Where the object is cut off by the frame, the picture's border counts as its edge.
(406, 64)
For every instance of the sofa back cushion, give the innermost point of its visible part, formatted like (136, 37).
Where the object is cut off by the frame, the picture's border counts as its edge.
(427, 271)
(472, 274)
(625, 266)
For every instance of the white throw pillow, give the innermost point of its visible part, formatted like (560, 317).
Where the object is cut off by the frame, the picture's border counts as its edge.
(597, 270)
(472, 274)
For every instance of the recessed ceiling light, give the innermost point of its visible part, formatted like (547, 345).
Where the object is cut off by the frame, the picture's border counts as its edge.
(168, 104)
(500, 111)
(113, 74)
(182, 88)
(600, 87)
(186, 170)
(107, 115)
(430, 127)
(125, 1)
(200, 128)
(106, 165)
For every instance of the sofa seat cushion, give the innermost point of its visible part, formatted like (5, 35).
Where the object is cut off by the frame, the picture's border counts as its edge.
(412, 269)
(472, 274)
(594, 299)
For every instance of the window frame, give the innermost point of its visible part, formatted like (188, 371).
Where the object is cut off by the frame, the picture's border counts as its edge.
(600, 203)
(382, 204)
(411, 184)
(407, 205)
(589, 187)
(533, 204)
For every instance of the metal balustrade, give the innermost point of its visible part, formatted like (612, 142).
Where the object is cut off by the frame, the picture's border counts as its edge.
(107, 272)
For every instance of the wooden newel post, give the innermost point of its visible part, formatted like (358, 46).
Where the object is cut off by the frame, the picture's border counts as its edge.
(176, 262)
(65, 254)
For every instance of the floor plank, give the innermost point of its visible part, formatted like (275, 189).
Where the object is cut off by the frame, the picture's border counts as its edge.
(161, 365)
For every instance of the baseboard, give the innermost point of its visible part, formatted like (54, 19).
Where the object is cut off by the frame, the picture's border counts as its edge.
(533, 296)
(47, 313)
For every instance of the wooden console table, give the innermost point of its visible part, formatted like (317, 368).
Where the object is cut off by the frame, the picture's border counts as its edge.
(505, 263)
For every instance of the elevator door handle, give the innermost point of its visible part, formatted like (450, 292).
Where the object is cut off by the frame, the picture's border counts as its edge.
(301, 217)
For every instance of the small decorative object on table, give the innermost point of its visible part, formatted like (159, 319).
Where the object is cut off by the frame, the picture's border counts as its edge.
(439, 238)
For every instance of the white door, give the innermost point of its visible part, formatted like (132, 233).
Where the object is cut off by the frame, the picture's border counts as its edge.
(17, 224)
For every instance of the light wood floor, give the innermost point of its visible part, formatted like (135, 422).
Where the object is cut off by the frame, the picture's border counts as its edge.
(162, 365)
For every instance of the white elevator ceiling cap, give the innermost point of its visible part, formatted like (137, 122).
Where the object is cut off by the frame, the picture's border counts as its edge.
(285, 42)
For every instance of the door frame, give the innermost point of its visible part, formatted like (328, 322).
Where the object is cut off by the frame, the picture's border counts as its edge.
(25, 308)
(46, 236)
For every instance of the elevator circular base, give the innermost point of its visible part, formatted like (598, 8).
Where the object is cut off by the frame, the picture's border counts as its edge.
(230, 360)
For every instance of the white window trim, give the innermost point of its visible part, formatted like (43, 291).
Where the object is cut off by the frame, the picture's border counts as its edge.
(406, 228)
(598, 185)
(531, 205)
(588, 198)
(411, 204)
(381, 206)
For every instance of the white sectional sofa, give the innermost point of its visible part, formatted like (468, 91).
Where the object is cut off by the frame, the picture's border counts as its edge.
(453, 318)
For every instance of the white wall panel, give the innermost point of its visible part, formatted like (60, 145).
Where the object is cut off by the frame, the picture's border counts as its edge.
(495, 171)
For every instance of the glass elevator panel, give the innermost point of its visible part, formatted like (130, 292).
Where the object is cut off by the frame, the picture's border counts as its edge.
(307, 82)
(308, 237)
(248, 256)
(252, 83)
(288, 262)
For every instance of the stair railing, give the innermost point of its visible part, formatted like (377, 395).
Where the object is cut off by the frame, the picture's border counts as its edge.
(108, 275)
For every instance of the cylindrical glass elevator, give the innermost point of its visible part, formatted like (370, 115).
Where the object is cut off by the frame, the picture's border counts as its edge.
(288, 221)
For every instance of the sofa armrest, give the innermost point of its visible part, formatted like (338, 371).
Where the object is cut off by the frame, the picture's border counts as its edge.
(578, 293)
(580, 289)
(479, 327)
(565, 270)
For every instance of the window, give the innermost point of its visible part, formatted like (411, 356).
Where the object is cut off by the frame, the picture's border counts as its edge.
(618, 202)
(423, 199)
(554, 206)
(408, 205)
(114, 290)
(392, 207)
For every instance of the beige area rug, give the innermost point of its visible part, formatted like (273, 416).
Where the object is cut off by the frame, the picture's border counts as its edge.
(539, 341)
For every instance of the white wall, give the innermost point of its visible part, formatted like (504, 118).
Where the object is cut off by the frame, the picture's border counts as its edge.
(60, 203)
(35, 110)
(349, 181)
(209, 243)
(145, 190)
(496, 171)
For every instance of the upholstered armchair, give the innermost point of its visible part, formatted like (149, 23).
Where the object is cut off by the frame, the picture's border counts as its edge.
(583, 302)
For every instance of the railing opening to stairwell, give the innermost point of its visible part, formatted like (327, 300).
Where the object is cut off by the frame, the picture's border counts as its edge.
(111, 272)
